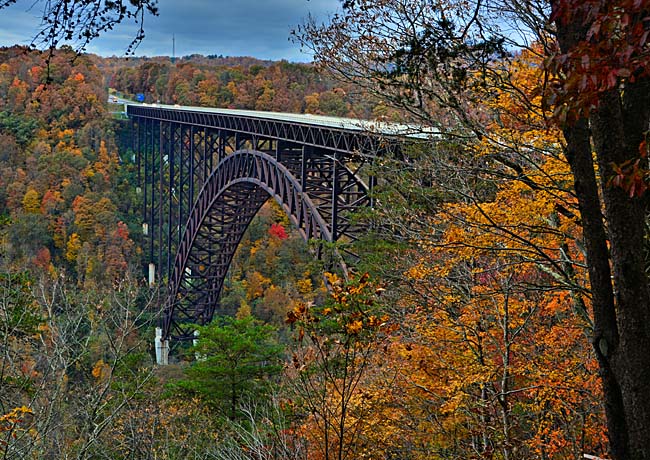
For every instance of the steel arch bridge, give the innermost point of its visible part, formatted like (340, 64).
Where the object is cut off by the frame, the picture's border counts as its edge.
(204, 174)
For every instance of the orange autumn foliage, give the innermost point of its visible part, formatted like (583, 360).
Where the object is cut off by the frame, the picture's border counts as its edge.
(492, 358)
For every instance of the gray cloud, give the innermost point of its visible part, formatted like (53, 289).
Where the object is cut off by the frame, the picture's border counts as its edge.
(259, 28)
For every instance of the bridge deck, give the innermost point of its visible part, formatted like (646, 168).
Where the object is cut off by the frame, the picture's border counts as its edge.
(319, 121)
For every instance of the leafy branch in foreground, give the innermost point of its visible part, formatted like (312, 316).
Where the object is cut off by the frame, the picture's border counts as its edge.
(335, 346)
(81, 21)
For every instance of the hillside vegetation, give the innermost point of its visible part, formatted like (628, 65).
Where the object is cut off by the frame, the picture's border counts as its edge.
(463, 333)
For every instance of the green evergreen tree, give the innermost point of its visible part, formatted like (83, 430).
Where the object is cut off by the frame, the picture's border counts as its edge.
(236, 358)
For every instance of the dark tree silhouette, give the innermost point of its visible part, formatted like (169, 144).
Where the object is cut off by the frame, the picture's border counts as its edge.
(80, 21)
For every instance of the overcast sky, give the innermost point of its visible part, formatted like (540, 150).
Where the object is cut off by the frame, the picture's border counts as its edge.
(258, 28)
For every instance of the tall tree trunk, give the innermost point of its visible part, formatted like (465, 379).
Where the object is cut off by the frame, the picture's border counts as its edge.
(605, 338)
(621, 310)
(630, 360)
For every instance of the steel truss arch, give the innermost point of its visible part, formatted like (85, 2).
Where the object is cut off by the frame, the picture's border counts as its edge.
(204, 173)
(226, 204)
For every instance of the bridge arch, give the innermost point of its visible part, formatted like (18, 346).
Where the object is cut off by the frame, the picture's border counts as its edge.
(203, 173)
(225, 206)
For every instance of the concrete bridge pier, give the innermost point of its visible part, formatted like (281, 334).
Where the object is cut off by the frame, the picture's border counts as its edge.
(162, 348)
(152, 274)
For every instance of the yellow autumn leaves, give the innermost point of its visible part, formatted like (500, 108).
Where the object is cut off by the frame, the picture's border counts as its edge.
(9, 422)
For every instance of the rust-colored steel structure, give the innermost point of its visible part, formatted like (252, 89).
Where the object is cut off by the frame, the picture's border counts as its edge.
(205, 173)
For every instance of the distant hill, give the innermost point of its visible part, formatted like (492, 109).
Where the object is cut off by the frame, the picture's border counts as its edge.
(234, 82)
(113, 62)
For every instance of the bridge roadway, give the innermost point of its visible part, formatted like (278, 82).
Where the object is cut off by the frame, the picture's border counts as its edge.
(204, 173)
(318, 121)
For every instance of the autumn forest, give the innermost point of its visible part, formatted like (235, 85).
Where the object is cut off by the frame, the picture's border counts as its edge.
(499, 305)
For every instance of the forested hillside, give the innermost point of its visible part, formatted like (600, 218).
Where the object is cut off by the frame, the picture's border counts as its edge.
(463, 332)
(77, 318)
(237, 84)
(65, 200)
